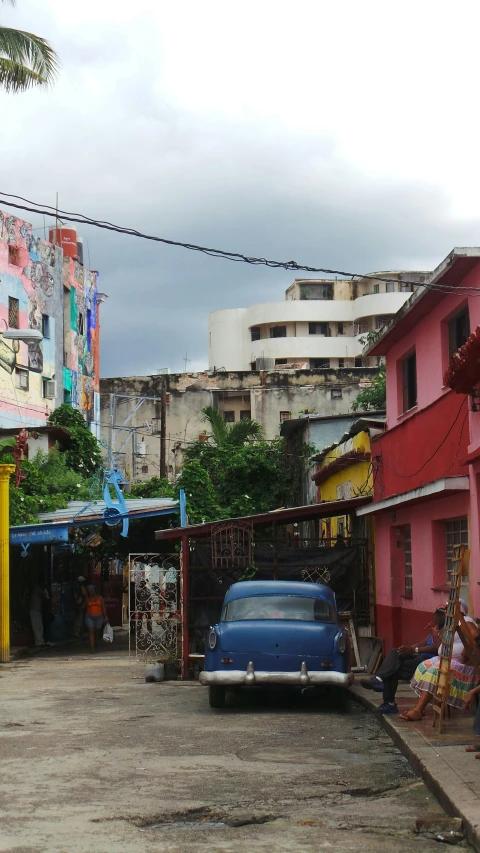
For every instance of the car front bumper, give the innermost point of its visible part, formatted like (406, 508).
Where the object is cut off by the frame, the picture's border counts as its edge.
(251, 677)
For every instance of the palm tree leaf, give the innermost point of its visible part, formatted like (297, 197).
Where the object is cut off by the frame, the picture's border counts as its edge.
(33, 60)
(17, 78)
(241, 431)
(217, 424)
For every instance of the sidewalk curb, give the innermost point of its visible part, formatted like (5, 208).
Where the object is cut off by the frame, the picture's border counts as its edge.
(454, 795)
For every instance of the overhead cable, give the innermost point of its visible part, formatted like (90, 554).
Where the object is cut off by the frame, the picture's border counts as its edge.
(238, 257)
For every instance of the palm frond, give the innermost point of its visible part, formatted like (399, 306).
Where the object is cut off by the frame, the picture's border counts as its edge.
(241, 431)
(26, 60)
(217, 423)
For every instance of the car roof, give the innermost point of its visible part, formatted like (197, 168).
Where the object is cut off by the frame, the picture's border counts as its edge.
(247, 589)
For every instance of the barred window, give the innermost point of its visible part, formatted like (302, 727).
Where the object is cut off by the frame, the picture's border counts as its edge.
(407, 557)
(456, 533)
(13, 313)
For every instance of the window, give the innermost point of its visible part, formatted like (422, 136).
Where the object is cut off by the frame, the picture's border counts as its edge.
(280, 361)
(296, 607)
(255, 333)
(336, 394)
(458, 331)
(409, 382)
(245, 414)
(144, 469)
(48, 389)
(285, 416)
(67, 397)
(456, 533)
(316, 291)
(229, 417)
(318, 329)
(13, 313)
(21, 378)
(376, 288)
(339, 328)
(390, 287)
(81, 324)
(278, 332)
(341, 526)
(319, 363)
(407, 561)
(359, 362)
(45, 325)
(381, 321)
(341, 362)
(14, 255)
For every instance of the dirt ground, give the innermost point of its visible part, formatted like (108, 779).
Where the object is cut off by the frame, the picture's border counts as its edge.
(96, 760)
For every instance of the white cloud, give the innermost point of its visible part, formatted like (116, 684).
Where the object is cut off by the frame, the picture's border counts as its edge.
(339, 134)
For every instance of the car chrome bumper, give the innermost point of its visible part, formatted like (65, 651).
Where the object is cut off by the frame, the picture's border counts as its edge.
(303, 678)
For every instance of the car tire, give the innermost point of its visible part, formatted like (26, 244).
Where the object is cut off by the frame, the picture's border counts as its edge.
(216, 696)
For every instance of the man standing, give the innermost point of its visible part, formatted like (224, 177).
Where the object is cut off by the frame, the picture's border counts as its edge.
(80, 606)
(400, 665)
(38, 600)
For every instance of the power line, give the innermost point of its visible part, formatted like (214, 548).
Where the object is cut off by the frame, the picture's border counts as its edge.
(238, 257)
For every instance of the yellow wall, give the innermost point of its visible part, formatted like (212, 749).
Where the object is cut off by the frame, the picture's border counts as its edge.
(348, 482)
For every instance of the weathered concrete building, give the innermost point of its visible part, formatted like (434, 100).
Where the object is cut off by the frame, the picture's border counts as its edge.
(133, 409)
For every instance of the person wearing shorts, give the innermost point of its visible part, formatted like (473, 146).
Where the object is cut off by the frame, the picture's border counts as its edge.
(96, 615)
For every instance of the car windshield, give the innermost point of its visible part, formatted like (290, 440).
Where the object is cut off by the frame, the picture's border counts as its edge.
(279, 607)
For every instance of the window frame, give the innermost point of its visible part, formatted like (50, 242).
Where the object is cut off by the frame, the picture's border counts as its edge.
(408, 382)
(229, 419)
(253, 333)
(274, 331)
(449, 546)
(312, 329)
(325, 366)
(456, 338)
(46, 326)
(13, 308)
(21, 371)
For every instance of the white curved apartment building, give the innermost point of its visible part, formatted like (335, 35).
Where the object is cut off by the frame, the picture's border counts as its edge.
(318, 325)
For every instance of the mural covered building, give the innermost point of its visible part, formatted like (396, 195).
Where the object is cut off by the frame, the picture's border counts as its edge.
(44, 286)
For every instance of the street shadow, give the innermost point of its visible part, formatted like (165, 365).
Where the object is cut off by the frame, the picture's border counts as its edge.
(310, 700)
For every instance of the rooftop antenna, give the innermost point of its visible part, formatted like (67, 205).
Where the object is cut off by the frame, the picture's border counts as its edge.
(185, 360)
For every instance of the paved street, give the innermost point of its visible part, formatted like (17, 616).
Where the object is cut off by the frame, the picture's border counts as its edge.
(94, 759)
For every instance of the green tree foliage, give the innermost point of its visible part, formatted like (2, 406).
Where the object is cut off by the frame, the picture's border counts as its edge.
(26, 60)
(225, 434)
(374, 397)
(236, 472)
(199, 492)
(84, 454)
(156, 487)
(47, 484)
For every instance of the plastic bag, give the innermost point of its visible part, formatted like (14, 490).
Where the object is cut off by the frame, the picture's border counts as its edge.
(108, 633)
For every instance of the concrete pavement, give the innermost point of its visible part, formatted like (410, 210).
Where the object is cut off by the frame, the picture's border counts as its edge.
(95, 760)
(450, 772)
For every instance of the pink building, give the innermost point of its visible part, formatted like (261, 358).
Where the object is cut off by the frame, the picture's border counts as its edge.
(427, 463)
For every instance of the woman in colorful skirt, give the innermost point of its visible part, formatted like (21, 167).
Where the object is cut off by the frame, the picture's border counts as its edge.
(424, 681)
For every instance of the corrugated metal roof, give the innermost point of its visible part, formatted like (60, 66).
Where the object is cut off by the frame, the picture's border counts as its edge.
(95, 509)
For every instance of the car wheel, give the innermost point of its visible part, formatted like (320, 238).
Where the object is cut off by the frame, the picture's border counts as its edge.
(216, 696)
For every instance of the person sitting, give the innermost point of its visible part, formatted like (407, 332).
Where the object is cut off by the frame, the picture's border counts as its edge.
(424, 681)
(400, 664)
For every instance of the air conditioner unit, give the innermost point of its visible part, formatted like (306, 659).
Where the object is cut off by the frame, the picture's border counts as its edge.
(50, 389)
(23, 380)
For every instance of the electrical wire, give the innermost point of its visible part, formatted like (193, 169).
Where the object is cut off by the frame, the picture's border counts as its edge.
(414, 473)
(49, 210)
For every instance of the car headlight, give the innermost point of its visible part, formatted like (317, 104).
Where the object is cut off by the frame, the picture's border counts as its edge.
(341, 643)
(212, 640)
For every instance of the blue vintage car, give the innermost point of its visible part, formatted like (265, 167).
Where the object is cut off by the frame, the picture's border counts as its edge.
(276, 632)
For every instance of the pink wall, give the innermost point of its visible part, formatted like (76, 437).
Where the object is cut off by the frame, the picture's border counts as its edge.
(429, 338)
(400, 619)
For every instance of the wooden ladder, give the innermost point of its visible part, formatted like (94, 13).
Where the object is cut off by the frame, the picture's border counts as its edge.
(454, 622)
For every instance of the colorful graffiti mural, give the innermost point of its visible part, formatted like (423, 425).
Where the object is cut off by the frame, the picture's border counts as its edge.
(41, 289)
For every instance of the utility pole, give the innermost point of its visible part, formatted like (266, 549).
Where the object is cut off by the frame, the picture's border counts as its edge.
(163, 429)
(5, 472)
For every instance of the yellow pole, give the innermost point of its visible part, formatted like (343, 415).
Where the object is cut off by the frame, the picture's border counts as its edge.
(5, 472)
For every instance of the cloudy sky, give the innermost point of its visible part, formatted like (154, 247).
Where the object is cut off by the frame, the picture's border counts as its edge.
(337, 134)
